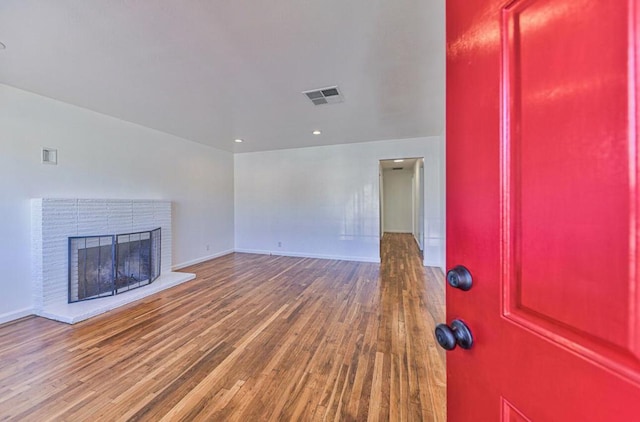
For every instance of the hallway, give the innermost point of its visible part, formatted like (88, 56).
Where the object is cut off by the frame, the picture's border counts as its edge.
(412, 304)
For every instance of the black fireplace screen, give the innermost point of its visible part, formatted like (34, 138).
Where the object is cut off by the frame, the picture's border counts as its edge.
(102, 266)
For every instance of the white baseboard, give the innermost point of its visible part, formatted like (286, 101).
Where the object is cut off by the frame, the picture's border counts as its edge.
(308, 255)
(199, 260)
(11, 316)
(431, 263)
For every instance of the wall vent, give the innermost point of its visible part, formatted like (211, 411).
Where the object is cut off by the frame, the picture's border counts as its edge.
(397, 168)
(328, 95)
(49, 156)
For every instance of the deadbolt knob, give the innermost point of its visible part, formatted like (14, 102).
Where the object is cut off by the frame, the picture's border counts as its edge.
(458, 334)
(460, 278)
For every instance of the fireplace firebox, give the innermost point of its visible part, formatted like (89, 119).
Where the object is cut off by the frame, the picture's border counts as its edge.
(106, 265)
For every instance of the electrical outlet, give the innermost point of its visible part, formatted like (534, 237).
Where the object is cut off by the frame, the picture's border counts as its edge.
(208, 247)
(279, 244)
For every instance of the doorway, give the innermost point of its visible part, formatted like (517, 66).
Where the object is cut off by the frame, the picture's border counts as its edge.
(402, 198)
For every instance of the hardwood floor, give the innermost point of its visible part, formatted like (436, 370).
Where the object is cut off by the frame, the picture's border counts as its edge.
(253, 338)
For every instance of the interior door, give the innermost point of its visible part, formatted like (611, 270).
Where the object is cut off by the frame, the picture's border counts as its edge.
(542, 209)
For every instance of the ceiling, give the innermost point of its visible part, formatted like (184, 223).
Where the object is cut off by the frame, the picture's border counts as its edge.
(213, 71)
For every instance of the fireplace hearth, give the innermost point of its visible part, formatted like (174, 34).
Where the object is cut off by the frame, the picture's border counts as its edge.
(101, 266)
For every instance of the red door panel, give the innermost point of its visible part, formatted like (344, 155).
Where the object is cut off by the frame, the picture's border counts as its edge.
(511, 414)
(542, 207)
(569, 184)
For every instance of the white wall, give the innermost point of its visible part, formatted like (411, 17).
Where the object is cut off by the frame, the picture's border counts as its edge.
(324, 201)
(398, 200)
(418, 203)
(420, 206)
(102, 157)
(381, 186)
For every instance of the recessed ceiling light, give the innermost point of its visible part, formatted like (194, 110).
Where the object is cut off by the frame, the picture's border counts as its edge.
(237, 141)
(398, 161)
(2, 46)
(316, 132)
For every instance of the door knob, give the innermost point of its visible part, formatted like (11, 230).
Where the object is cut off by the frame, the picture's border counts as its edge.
(458, 334)
(460, 278)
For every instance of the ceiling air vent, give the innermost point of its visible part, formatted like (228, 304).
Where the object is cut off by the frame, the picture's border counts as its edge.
(397, 168)
(329, 95)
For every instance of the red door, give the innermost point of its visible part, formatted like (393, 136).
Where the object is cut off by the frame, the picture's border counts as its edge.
(543, 209)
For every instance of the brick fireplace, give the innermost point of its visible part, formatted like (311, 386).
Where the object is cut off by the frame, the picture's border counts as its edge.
(55, 221)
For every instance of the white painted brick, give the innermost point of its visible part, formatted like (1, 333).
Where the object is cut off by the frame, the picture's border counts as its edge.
(143, 217)
(120, 216)
(93, 217)
(55, 220)
(36, 252)
(162, 212)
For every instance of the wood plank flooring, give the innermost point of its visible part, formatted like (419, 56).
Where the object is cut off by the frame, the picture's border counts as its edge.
(253, 338)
